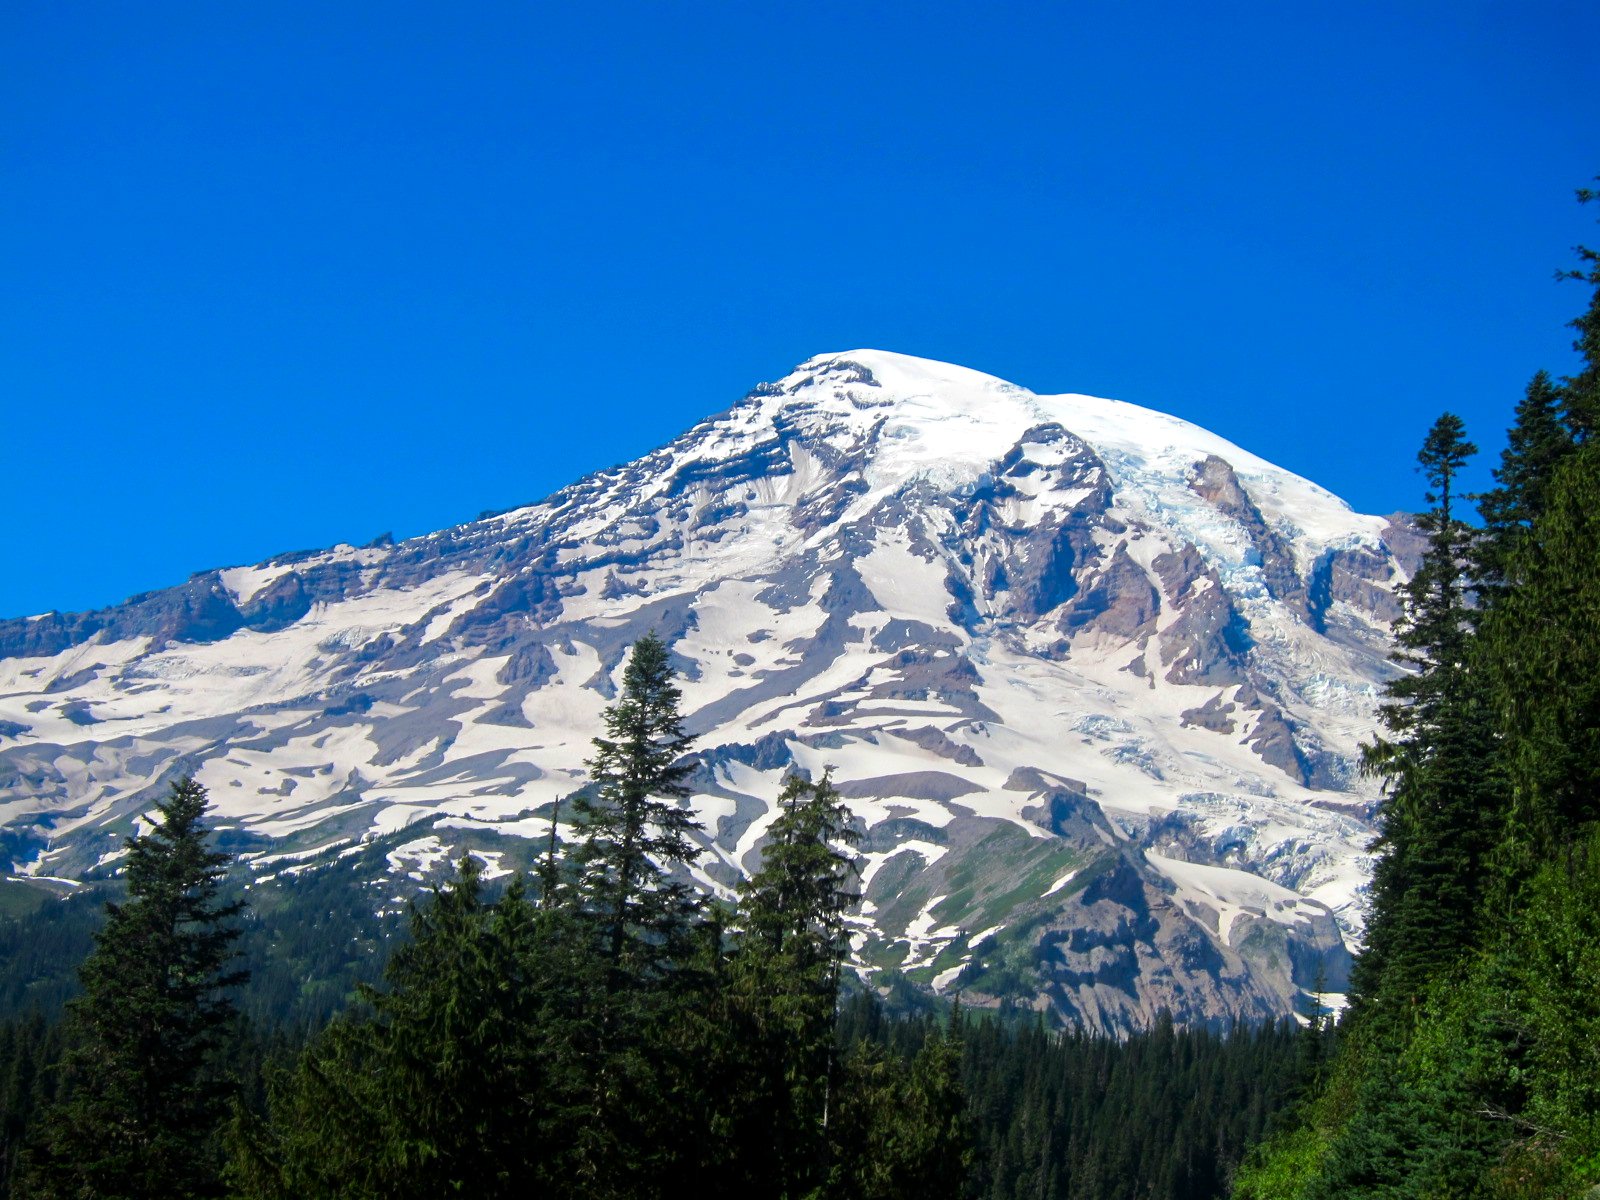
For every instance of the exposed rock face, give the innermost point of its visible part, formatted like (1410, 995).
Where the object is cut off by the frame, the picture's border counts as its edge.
(1122, 953)
(1273, 739)
(1040, 551)
(1359, 577)
(1215, 480)
(1119, 601)
(1216, 714)
(1208, 642)
(1092, 680)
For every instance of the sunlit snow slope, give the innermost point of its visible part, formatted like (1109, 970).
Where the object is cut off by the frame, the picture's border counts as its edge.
(1093, 679)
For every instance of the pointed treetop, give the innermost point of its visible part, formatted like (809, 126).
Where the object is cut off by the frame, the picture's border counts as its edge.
(1581, 393)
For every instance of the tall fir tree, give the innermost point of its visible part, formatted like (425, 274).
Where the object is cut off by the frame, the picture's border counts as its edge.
(1544, 647)
(142, 1108)
(634, 825)
(1432, 636)
(792, 946)
(636, 838)
(1537, 441)
(1444, 788)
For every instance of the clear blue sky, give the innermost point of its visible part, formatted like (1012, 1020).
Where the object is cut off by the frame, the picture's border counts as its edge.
(280, 275)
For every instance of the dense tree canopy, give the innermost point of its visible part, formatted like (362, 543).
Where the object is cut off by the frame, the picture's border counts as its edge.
(140, 1108)
(1469, 1061)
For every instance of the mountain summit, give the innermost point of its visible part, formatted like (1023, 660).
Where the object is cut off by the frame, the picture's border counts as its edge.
(1092, 678)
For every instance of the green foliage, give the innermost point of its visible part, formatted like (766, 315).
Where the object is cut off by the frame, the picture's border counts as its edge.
(1471, 1066)
(1536, 442)
(1164, 1115)
(790, 946)
(41, 950)
(20, 897)
(1417, 1128)
(635, 824)
(307, 939)
(28, 1048)
(140, 1106)
(900, 1132)
(1552, 967)
(439, 1088)
(1491, 1092)
(1545, 641)
(1284, 1167)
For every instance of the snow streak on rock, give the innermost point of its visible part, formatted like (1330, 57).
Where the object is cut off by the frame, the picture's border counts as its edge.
(1092, 678)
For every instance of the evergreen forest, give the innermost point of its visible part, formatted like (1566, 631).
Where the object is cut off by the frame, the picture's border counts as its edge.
(1469, 1059)
(598, 1027)
(595, 1027)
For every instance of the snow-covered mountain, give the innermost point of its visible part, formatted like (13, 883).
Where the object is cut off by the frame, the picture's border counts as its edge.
(1092, 678)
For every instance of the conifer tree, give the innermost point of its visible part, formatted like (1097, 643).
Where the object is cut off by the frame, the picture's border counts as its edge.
(1544, 648)
(27, 1048)
(1543, 644)
(1432, 635)
(797, 900)
(901, 1131)
(141, 1109)
(1581, 392)
(791, 949)
(1445, 791)
(635, 826)
(461, 1078)
(1536, 442)
(636, 830)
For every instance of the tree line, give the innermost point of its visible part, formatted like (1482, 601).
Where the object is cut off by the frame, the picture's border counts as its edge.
(597, 1028)
(1469, 1062)
(1165, 1114)
(600, 1031)
(603, 1029)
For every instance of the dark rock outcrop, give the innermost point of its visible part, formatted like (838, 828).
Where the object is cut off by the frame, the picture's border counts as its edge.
(1215, 480)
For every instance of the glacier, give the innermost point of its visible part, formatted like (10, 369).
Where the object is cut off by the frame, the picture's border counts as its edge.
(1093, 679)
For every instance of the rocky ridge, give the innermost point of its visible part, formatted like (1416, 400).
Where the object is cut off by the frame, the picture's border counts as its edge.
(1092, 678)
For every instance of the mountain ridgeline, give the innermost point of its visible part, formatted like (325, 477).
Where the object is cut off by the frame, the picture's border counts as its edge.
(1091, 680)
(894, 682)
(597, 1029)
